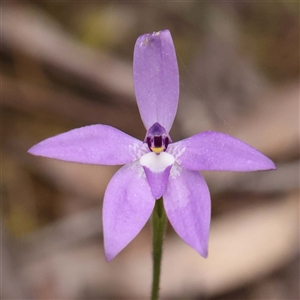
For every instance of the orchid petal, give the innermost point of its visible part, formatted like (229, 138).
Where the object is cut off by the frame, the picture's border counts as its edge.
(157, 169)
(95, 144)
(187, 205)
(217, 151)
(128, 204)
(156, 78)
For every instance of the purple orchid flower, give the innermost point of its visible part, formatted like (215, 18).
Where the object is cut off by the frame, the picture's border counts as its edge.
(155, 167)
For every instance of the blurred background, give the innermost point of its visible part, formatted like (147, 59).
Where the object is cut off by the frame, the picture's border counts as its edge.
(69, 64)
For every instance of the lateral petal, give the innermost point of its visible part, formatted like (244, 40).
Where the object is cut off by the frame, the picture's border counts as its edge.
(95, 144)
(128, 204)
(156, 78)
(157, 169)
(217, 151)
(188, 207)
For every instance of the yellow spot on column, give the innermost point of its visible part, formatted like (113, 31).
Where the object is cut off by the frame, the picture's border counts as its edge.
(157, 150)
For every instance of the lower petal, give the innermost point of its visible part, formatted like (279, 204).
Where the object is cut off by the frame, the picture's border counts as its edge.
(157, 169)
(128, 204)
(188, 207)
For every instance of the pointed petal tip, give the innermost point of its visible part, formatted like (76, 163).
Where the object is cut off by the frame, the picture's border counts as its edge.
(30, 150)
(272, 165)
(200, 249)
(264, 164)
(112, 248)
(203, 253)
(38, 150)
(34, 150)
(109, 256)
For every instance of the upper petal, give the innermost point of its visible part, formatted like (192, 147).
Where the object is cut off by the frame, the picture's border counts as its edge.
(187, 205)
(217, 151)
(128, 204)
(157, 169)
(156, 78)
(95, 144)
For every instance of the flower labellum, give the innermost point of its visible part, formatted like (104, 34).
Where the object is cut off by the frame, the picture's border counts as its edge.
(155, 167)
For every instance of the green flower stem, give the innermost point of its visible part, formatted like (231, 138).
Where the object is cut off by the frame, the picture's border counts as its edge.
(159, 221)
